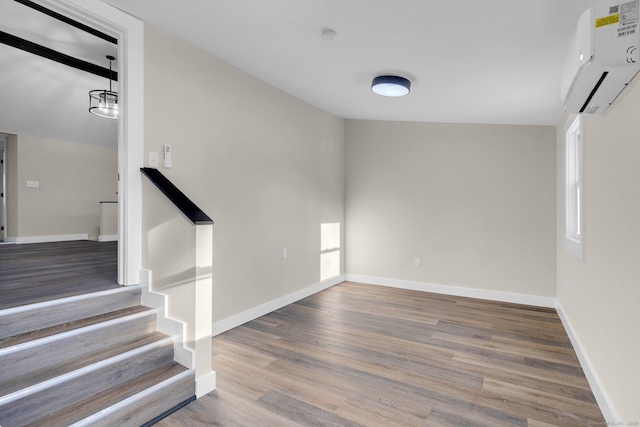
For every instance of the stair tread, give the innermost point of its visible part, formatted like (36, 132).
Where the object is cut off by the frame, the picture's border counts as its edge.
(53, 330)
(29, 379)
(32, 294)
(32, 317)
(97, 402)
(40, 272)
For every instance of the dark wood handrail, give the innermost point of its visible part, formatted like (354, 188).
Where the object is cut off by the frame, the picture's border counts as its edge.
(182, 202)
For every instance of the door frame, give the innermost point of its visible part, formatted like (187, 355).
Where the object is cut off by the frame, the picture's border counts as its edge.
(3, 190)
(130, 34)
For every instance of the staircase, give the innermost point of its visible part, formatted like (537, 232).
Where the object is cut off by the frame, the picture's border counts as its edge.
(93, 359)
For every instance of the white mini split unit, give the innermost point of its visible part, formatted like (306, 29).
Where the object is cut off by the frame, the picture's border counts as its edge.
(603, 57)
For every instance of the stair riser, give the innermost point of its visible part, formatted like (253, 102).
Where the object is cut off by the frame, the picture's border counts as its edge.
(41, 403)
(50, 356)
(40, 316)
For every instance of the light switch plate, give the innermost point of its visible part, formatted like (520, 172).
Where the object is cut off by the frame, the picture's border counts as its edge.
(153, 159)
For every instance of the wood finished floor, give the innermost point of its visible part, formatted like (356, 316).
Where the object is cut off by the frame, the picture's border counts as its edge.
(360, 355)
(37, 272)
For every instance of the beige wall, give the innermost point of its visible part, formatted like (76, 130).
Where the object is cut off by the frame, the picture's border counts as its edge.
(601, 295)
(268, 168)
(475, 202)
(73, 179)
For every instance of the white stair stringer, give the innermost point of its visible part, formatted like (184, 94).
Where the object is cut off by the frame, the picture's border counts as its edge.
(165, 324)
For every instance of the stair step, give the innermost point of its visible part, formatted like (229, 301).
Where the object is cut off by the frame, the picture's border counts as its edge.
(18, 294)
(52, 353)
(41, 315)
(92, 388)
(69, 326)
(28, 379)
(131, 404)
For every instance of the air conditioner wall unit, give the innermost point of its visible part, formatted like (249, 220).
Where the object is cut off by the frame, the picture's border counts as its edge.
(603, 57)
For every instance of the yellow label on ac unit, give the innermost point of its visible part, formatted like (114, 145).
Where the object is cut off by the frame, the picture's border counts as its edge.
(608, 20)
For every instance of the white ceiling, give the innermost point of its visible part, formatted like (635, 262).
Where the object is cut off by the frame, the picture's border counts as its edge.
(470, 61)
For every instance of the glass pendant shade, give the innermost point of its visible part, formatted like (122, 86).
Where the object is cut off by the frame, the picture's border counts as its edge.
(102, 102)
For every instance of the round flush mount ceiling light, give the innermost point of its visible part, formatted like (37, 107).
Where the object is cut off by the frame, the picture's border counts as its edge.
(391, 86)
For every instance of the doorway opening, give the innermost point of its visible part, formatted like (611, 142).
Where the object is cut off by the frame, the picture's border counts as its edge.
(128, 31)
(3, 206)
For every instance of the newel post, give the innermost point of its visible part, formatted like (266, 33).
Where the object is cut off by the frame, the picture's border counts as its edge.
(205, 376)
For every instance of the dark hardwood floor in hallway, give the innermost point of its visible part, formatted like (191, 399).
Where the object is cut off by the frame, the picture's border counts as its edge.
(36, 272)
(360, 355)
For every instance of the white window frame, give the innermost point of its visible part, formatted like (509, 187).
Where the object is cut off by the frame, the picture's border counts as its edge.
(574, 241)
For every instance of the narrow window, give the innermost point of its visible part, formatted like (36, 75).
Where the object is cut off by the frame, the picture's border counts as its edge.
(574, 188)
(329, 250)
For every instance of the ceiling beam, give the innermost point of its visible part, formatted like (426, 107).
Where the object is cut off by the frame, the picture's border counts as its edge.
(45, 52)
(69, 21)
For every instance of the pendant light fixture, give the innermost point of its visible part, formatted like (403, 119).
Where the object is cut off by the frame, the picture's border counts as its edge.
(391, 86)
(102, 102)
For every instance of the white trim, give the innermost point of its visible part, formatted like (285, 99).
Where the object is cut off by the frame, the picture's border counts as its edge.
(266, 308)
(535, 300)
(604, 401)
(52, 238)
(131, 150)
(205, 384)
(575, 244)
(108, 238)
(165, 324)
(3, 189)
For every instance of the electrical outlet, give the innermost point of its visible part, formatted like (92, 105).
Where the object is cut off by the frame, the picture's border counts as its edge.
(418, 262)
(284, 253)
(33, 184)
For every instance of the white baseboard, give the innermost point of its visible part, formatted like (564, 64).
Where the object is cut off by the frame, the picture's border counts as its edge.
(599, 392)
(539, 301)
(205, 384)
(266, 308)
(108, 238)
(52, 238)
